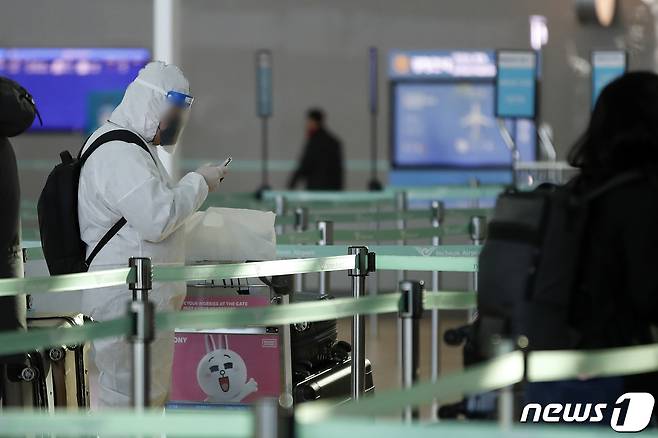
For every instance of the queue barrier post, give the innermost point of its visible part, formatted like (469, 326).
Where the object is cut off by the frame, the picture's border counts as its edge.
(477, 229)
(301, 224)
(142, 314)
(326, 229)
(272, 421)
(401, 205)
(364, 264)
(410, 313)
(280, 210)
(502, 346)
(437, 218)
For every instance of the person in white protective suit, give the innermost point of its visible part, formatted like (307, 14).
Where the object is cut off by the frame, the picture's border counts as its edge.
(122, 179)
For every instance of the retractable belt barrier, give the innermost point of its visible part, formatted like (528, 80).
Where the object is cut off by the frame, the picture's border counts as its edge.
(240, 424)
(161, 273)
(16, 342)
(313, 236)
(323, 419)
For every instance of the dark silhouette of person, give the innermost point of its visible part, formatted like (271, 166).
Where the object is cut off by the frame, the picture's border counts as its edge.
(616, 303)
(17, 112)
(321, 166)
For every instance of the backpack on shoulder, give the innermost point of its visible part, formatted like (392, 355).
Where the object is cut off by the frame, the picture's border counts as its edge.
(63, 249)
(530, 265)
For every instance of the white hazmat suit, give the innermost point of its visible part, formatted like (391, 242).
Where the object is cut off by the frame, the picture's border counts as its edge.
(121, 179)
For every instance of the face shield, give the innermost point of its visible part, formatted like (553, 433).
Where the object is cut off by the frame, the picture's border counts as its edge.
(175, 117)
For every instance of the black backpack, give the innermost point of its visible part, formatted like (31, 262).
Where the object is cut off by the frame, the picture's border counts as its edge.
(63, 249)
(530, 265)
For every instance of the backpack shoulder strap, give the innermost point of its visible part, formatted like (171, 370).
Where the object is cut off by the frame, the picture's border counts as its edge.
(114, 135)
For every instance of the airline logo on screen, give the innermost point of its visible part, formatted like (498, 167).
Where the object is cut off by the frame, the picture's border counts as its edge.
(630, 413)
(442, 64)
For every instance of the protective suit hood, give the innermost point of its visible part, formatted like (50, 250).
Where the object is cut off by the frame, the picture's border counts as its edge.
(142, 107)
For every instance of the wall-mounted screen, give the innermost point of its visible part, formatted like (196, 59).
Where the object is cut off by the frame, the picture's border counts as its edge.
(74, 88)
(452, 124)
(607, 65)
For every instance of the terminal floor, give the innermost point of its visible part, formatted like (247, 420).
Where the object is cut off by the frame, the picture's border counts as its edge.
(381, 349)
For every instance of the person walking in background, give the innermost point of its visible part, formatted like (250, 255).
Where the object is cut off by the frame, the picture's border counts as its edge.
(321, 166)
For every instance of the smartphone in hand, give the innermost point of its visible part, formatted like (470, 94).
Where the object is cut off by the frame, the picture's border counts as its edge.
(225, 165)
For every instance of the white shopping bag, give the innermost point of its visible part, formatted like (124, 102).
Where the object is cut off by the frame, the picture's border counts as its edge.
(230, 234)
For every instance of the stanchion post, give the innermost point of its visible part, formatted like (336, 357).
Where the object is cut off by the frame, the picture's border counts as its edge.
(401, 205)
(301, 224)
(477, 229)
(326, 229)
(502, 346)
(474, 183)
(410, 312)
(271, 421)
(141, 312)
(280, 210)
(438, 215)
(364, 263)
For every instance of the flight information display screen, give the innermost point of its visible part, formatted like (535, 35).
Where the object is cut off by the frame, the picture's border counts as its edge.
(452, 124)
(74, 89)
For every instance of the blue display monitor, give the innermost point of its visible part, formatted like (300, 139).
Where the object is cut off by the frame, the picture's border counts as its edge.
(74, 88)
(451, 124)
(516, 84)
(607, 65)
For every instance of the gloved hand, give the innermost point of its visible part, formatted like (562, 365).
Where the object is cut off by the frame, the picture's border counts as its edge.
(213, 175)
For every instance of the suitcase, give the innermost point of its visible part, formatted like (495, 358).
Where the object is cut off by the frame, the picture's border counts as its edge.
(334, 382)
(62, 370)
(20, 382)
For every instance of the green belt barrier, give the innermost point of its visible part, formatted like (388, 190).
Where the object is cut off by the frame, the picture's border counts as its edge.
(405, 234)
(452, 193)
(37, 339)
(239, 423)
(498, 373)
(68, 282)
(443, 264)
(120, 276)
(327, 196)
(357, 427)
(311, 237)
(384, 215)
(285, 251)
(251, 270)
(554, 365)
(302, 251)
(307, 312)
(116, 277)
(20, 341)
(229, 423)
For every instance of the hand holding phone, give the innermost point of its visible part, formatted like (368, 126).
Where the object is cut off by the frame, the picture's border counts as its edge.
(224, 167)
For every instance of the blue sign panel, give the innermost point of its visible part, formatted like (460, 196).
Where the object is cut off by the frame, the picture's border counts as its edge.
(66, 82)
(606, 67)
(418, 65)
(264, 83)
(452, 124)
(516, 85)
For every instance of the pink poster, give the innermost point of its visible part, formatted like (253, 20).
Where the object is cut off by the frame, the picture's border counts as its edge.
(224, 368)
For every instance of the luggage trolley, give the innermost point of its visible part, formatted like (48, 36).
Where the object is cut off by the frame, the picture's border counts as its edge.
(238, 366)
(228, 366)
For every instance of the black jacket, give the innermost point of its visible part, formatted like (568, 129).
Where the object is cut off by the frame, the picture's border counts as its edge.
(16, 115)
(618, 299)
(321, 166)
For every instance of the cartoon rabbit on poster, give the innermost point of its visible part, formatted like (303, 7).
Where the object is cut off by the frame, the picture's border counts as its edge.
(222, 373)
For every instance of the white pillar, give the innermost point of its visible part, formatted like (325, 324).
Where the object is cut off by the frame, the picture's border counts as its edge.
(166, 47)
